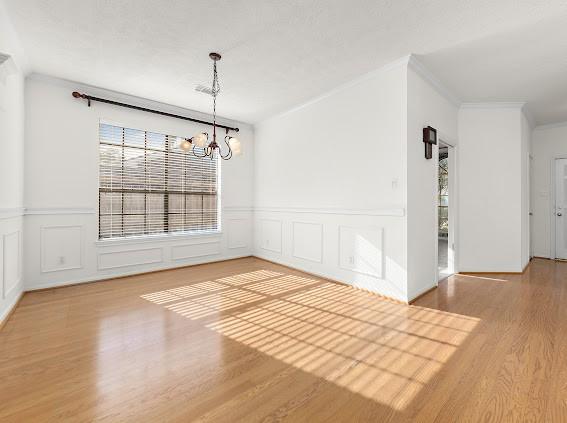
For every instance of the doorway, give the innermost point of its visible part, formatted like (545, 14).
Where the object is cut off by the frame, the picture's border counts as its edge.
(445, 211)
(560, 209)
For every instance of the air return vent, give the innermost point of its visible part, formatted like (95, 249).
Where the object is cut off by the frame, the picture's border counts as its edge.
(3, 58)
(203, 89)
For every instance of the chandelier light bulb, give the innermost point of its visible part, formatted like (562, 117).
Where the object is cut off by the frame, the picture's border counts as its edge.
(200, 140)
(235, 146)
(186, 144)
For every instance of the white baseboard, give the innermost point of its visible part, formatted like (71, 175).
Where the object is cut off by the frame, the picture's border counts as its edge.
(12, 304)
(117, 275)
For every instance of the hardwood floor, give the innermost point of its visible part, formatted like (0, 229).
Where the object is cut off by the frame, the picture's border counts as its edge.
(247, 340)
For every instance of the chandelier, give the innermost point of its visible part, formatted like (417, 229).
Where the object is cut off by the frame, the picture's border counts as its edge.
(199, 144)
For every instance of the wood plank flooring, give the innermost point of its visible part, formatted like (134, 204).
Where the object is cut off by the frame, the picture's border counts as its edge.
(247, 340)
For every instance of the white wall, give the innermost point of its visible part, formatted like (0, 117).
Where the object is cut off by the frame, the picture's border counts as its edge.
(11, 166)
(330, 184)
(492, 189)
(427, 106)
(526, 135)
(61, 191)
(549, 142)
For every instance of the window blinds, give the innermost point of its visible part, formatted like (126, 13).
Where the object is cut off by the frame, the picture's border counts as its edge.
(149, 186)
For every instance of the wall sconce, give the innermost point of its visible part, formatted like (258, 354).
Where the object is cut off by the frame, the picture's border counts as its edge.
(429, 138)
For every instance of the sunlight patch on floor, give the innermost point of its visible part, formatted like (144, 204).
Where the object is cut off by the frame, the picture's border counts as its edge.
(373, 347)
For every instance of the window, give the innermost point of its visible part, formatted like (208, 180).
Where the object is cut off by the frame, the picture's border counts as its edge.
(150, 186)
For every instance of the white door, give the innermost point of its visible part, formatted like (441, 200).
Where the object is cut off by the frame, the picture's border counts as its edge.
(561, 208)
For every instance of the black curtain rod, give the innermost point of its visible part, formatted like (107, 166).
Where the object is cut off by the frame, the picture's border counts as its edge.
(90, 98)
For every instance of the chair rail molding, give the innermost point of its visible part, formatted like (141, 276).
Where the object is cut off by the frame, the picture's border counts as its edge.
(11, 212)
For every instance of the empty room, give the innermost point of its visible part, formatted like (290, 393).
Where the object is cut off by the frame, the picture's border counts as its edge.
(300, 211)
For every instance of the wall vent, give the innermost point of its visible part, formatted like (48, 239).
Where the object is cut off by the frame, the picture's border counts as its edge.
(3, 58)
(203, 89)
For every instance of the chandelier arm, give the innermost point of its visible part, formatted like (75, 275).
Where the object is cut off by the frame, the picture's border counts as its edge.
(228, 155)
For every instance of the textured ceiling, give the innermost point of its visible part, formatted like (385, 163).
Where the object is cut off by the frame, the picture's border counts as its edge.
(278, 54)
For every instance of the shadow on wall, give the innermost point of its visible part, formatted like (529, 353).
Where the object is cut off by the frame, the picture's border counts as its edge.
(378, 350)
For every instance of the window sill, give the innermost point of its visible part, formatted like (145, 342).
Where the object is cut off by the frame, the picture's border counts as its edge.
(156, 238)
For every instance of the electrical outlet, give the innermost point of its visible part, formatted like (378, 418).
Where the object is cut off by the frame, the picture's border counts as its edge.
(61, 260)
(351, 259)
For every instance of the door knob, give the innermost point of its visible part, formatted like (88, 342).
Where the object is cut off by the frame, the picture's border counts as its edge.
(559, 214)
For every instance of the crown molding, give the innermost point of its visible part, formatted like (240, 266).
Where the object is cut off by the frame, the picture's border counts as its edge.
(435, 82)
(529, 116)
(129, 98)
(402, 61)
(550, 126)
(519, 105)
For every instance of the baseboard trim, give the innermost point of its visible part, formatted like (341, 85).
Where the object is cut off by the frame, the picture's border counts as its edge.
(11, 310)
(423, 294)
(317, 275)
(126, 275)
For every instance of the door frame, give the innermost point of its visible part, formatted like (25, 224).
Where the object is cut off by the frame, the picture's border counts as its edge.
(553, 205)
(453, 204)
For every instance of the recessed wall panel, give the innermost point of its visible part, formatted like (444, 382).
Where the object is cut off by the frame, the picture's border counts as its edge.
(61, 248)
(361, 250)
(271, 235)
(308, 241)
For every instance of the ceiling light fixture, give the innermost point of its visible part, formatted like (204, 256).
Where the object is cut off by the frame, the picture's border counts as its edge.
(199, 144)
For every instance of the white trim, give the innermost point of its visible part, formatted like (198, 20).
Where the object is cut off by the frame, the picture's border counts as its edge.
(234, 209)
(495, 105)
(11, 212)
(403, 61)
(423, 291)
(58, 210)
(550, 126)
(529, 116)
(190, 256)
(110, 276)
(135, 250)
(428, 76)
(10, 306)
(398, 212)
(7, 292)
(165, 237)
(138, 101)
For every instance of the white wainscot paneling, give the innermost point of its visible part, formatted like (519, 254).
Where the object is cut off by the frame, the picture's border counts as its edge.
(307, 241)
(196, 249)
(271, 233)
(61, 248)
(238, 230)
(360, 250)
(11, 262)
(124, 258)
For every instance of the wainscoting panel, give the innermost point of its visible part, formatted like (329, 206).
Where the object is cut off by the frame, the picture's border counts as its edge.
(238, 233)
(112, 260)
(61, 248)
(360, 250)
(11, 259)
(201, 249)
(271, 235)
(307, 241)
